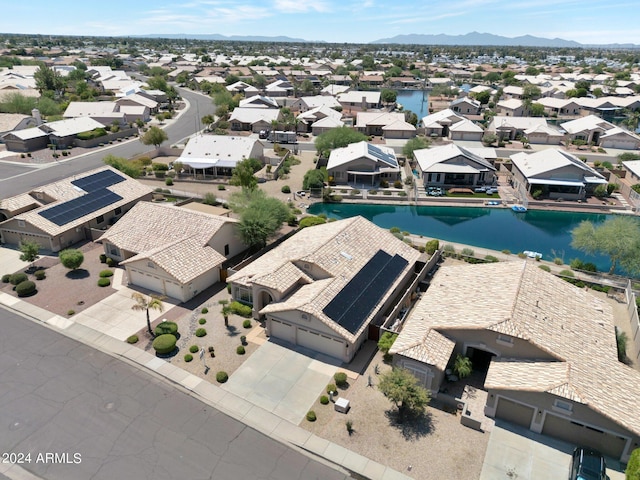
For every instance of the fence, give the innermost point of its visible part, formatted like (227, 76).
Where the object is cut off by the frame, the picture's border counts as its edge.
(632, 311)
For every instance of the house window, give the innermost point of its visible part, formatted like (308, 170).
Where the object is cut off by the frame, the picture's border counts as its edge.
(100, 219)
(151, 265)
(505, 340)
(226, 249)
(304, 316)
(562, 406)
(244, 295)
(113, 250)
(21, 223)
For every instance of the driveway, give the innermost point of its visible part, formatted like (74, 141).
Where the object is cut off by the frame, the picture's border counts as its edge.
(283, 381)
(517, 453)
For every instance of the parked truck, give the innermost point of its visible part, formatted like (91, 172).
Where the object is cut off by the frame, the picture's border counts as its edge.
(282, 137)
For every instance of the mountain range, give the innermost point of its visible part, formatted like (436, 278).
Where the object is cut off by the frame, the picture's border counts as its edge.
(230, 38)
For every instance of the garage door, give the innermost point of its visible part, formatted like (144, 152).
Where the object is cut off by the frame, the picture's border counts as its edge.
(282, 330)
(514, 412)
(321, 343)
(146, 281)
(173, 289)
(578, 433)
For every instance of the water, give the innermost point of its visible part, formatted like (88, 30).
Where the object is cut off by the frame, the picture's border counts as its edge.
(546, 232)
(415, 100)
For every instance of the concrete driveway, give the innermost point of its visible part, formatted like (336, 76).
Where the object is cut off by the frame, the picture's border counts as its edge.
(516, 452)
(283, 381)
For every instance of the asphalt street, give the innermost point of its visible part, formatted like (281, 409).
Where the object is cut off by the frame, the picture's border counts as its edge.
(70, 412)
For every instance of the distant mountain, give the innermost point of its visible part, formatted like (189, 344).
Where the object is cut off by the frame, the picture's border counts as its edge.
(216, 36)
(488, 39)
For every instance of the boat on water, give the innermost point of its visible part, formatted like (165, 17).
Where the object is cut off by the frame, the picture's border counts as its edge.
(519, 208)
(532, 254)
(493, 202)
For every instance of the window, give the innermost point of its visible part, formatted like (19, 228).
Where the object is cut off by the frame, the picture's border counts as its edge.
(226, 249)
(505, 340)
(21, 223)
(244, 295)
(151, 265)
(118, 211)
(100, 219)
(562, 406)
(113, 250)
(304, 316)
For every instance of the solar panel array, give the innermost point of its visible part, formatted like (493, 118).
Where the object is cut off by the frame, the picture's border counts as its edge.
(97, 197)
(351, 307)
(99, 180)
(387, 158)
(67, 212)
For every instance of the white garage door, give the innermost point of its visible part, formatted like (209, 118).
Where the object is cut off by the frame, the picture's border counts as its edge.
(321, 343)
(143, 280)
(173, 289)
(282, 330)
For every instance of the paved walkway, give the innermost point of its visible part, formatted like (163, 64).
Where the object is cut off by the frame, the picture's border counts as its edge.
(255, 416)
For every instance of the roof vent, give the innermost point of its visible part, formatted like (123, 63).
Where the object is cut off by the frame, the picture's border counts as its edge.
(346, 255)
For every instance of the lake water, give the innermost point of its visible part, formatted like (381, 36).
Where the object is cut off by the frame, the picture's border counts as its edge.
(415, 100)
(546, 232)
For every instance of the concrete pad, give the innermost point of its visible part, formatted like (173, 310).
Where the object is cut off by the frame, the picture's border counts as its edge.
(8, 300)
(155, 363)
(10, 260)
(373, 470)
(336, 453)
(191, 382)
(60, 322)
(317, 445)
(261, 420)
(212, 393)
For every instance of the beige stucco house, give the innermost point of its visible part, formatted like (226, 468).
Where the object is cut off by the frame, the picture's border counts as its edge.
(364, 164)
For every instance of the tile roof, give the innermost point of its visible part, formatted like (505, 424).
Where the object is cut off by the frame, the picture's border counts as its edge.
(520, 300)
(338, 249)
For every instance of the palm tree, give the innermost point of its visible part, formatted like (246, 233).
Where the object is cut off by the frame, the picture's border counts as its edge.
(225, 311)
(145, 303)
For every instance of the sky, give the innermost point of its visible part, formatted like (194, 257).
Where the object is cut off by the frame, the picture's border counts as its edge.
(351, 21)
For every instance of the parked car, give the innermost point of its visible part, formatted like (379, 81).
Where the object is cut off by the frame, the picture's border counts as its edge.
(491, 190)
(263, 134)
(587, 464)
(480, 189)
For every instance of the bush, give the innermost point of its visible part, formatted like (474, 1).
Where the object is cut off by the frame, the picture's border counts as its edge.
(222, 377)
(558, 261)
(633, 467)
(240, 350)
(246, 324)
(490, 259)
(544, 267)
(71, 312)
(431, 246)
(164, 344)
(104, 282)
(6, 278)
(26, 288)
(132, 339)
(506, 251)
(188, 357)
(243, 339)
(106, 273)
(168, 181)
(449, 249)
(285, 189)
(331, 388)
(201, 332)
(311, 416)
(202, 321)
(324, 399)
(311, 221)
(103, 258)
(397, 184)
(71, 258)
(194, 348)
(240, 309)
(40, 274)
(111, 262)
(165, 328)
(18, 278)
(340, 378)
(468, 252)
(204, 311)
(566, 273)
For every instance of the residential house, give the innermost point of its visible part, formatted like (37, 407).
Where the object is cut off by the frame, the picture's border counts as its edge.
(440, 124)
(361, 100)
(304, 104)
(548, 349)
(170, 250)
(63, 213)
(325, 124)
(279, 88)
(137, 100)
(511, 107)
(555, 173)
(63, 133)
(465, 106)
(218, 155)
(389, 124)
(104, 112)
(513, 91)
(510, 128)
(253, 119)
(453, 166)
(596, 131)
(362, 163)
(328, 285)
(308, 121)
(11, 122)
(334, 89)
(559, 107)
(633, 167)
(243, 88)
(258, 101)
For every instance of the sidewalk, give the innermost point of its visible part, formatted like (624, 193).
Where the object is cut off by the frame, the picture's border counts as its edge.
(252, 415)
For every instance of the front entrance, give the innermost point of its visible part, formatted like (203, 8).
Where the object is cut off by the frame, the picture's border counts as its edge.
(480, 359)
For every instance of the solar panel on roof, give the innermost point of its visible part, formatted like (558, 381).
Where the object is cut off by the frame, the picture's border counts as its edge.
(387, 158)
(98, 181)
(358, 298)
(67, 212)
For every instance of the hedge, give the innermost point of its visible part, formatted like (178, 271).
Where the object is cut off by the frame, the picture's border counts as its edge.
(240, 350)
(188, 357)
(194, 348)
(132, 339)
(246, 324)
(106, 273)
(6, 278)
(40, 274)
(311, 416)
(222, 377)
(26, 288)
(340, 378)
(104, 282)
(164, 344)
(17, 278)
(164, 328)
(240, 309)
(201, 332)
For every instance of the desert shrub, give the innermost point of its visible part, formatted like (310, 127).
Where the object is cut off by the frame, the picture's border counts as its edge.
(240, 350)
(246, 323)
(132, 339)
(340, 378)
(202, 321)
(194, 348)
(168, 181)
(397, 184)
(431, 246)
(222, 377)
(18, 278)
(221, 187)
(522, 255)
(103, 258)
(449, 250)
(71, 312)
(566, 273)
(558, 261)
(164, 328)
(468, 252)
(544, 267)
(384, 184)
(26, 288)
(490, 259)
(201, 332)
(6, 278)
(311, 416)
(324, 399)
(188, 357)
(71, 258)
(243, 339)
(240, 309)
(164, 344)
(104, 282)
(285, 189)
(506, 251)
(204, 311)
(111, 262)
(40, 274)
(106, 273)
(331, 388)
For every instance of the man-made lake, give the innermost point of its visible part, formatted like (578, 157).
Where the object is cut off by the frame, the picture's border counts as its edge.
(415, 100)
(546, 232)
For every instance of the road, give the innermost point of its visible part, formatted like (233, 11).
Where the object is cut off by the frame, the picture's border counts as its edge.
(15, 179)
(107, 419)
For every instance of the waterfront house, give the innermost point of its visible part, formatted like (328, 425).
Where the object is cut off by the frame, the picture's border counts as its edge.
(363, 164)
(449, 124)
(218, 155)
(389, 124)
(597, 131)
(465, 106)
(453, 166)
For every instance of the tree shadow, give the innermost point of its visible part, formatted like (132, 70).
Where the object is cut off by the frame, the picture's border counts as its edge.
(232, 331)
(413, 426)
(171, 354)
(78, 274)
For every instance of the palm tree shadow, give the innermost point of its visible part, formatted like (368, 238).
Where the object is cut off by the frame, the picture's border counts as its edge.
(413, 426)
(232, 331)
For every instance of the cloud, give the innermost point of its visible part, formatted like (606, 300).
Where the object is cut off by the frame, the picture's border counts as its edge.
(427, 19)
(208, 17)
(297, 6)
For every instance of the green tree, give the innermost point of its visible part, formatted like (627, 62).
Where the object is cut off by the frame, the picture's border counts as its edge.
(462, 366)
(403, 389)
(483, 97)
(386, 341)
(71, 258)
(29, 251)
(314, 179)
(154, 136)
(17, 103)
(48, 79)
(388, 96)
(531, 92)
(632, 471)
(618, 238)
(144, 304)
(536, 110)
(260, 216)
(243, 175)
(492, 77)
(130, 168)
(416, 143)
(337, 138)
